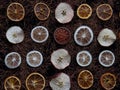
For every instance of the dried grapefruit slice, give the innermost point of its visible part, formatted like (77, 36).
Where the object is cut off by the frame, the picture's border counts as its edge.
(84, 58)
(15, 12)
(84, 11)
(35, 81)
(42, 11)
(12, 83)
(85, 79)
(83, 36)
(106, 58)
(104, 12)
(108, 81)
(13, 60)
(34, 58)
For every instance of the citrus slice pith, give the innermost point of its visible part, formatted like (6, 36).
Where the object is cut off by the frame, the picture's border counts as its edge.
(108, 81)
(85, 79)
(12, 83)
(35, 81)
(42, 11)
(84, 11)
(84, 58)
(104, 12)
(106, 58)
(13, 60)
(15, 12)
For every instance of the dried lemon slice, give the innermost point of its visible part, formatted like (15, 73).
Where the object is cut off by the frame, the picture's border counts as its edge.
(35, 81)
(15, 11)
(42, 11)
(12, 83)
(84, 58)
(83, 36)
(104, 12)
(84, 11)
(85, 79)
(108, 81)
(13, 60)
(106, 58)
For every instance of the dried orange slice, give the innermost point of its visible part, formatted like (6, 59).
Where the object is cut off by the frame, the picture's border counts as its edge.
(84, 11)
(108, 81)
(104, 12)
(35, 81)
(42, 11)
(15, 12)
(85, 79)
(12, 83)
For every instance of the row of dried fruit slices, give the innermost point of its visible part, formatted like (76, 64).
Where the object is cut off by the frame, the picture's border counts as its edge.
(61, 81)
(63, 12)
(83, 35)
(59, 58)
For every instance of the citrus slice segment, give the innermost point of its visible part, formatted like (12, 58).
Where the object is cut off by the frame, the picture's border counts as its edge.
(84, 58)
(62, 35)
(15, 35)
(104, 12)
(35, 81)
(83, 36)
(106, 58)
(42, 11)
(39, 34)
(84, 11)
(85, 79)
(12, 83)
(13, 60)
(15, 12)
(108, 81)
(34, 58)
(60, 82)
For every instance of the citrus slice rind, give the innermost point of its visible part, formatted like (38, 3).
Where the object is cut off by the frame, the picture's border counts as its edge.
(83, 36)
(108, 81)
(15, 12)
(84, 58)
(35, 81)
(34, 58)
(39, 34)
(85, 79)
(42, 11)
(102, 11)
(12, 83)
(84, 11)
(106, 58)
(13, 60)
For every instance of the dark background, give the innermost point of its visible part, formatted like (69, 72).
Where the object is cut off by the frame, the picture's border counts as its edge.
(47, 69)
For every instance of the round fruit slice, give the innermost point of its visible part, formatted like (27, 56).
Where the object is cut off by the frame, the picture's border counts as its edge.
(62, 35)
(106, 37)
(64, 13)
(104, 12)
(35, 81)
(108, 81)
(83, 36)
(106, 58)
(12, 83)
(84, 58)
(15, 12)
(42, 11)
(39, 34)
(34, 59)
(60, 58)
(84, 11)
(60, 82)
(13, 60)
(15, 34)
(85, 79)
